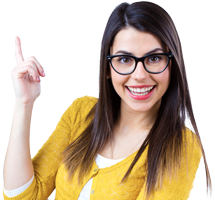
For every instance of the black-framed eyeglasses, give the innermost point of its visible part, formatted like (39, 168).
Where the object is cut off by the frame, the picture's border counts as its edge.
(153, 63)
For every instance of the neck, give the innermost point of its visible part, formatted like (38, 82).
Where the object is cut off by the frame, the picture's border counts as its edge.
(132, 122)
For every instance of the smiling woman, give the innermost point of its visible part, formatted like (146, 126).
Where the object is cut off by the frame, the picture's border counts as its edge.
(153, 85)
(131, 142)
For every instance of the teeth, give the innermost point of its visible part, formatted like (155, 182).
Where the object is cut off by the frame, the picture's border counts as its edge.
(140, 89)
(144, 91)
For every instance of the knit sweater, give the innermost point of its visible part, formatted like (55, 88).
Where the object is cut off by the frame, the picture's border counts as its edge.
(50, 175)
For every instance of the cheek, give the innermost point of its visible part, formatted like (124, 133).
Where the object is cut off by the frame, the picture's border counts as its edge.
(163, 79)
(118, 80)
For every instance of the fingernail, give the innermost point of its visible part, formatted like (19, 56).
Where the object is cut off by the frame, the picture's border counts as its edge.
(44, 74)
(38, 78)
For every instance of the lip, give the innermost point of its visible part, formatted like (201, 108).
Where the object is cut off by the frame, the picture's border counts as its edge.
(143, 97)
(140, 86)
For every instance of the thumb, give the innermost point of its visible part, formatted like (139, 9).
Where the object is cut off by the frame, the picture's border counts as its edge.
(18, 51)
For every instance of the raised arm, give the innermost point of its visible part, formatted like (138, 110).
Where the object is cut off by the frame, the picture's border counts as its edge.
(18, 167)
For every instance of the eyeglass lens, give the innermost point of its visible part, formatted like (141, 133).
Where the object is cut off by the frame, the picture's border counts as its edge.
(126, 64)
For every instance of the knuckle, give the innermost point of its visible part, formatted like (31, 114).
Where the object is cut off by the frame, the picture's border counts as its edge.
(29, 67)
(31, 62)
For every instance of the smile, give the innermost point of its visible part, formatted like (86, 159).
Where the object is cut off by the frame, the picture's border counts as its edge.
(140, 91)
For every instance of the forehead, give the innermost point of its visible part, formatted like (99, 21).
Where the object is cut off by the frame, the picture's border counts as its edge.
(134, 41)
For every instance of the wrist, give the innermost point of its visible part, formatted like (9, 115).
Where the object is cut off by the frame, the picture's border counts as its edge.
(23, 105)
(23, 108)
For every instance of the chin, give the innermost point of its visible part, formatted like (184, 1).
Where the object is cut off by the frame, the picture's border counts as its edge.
(138, 106)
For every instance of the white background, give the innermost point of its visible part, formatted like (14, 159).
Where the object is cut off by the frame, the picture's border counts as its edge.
(65, 37)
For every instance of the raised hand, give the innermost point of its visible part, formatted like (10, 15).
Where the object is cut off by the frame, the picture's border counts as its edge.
(26, 76)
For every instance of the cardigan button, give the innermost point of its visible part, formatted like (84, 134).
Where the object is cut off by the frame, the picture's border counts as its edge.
(92, 191)
(95, 169)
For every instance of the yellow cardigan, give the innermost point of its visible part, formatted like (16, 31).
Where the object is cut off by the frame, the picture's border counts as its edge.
(49, 175)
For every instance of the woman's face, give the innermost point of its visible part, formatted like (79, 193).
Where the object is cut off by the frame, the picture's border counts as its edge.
(139, 44)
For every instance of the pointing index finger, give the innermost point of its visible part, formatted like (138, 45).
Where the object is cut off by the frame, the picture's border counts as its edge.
(18, 51)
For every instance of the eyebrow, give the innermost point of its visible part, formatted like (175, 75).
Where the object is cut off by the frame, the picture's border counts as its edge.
(129, 53)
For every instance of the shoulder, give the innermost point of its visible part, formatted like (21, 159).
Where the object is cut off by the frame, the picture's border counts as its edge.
(190, 139)
(79, 108)
(191, 146)
(76, 113)
(85, 102)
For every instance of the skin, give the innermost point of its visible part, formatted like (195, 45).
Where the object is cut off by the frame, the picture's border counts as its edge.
(136, 116)
(18, 167)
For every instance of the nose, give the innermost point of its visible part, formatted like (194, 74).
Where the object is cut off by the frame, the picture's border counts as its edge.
(140, 73)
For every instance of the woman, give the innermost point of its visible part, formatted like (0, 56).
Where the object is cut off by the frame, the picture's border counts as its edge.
(131, 142)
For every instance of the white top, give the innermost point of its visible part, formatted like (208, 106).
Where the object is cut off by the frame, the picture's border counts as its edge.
(19, 190)
(101, 162)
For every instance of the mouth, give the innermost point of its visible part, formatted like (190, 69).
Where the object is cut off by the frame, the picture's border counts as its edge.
(140, 91)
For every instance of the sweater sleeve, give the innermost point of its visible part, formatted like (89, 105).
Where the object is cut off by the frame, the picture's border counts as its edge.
(179, 187)
(13, 193)
(46, 161)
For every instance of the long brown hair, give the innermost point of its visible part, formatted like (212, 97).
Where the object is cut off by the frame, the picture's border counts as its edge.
(165, 137)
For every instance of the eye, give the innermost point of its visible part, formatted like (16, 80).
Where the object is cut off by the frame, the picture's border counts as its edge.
(153, 59)
(125, 60)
